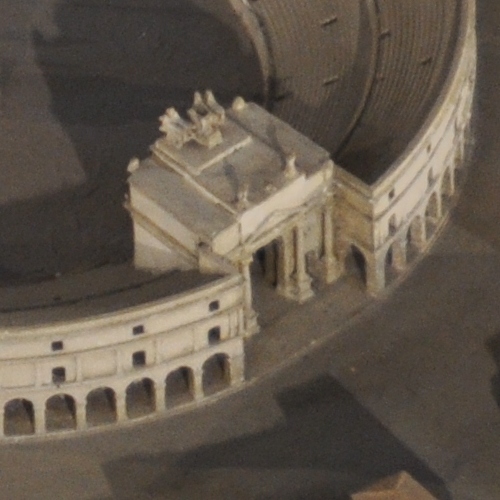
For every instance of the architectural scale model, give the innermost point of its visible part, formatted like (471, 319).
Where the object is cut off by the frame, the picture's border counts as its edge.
(227, 186)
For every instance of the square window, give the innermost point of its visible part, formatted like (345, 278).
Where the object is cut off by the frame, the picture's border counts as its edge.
(57, 345)
(138, 329)
(139, 358)
(213, 306)
(58, 375)
(214, 335)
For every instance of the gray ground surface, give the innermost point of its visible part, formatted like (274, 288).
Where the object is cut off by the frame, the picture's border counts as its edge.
(82, 85)
(412, 384)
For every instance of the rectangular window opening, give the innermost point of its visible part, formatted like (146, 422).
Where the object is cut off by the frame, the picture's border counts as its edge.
(138, 329)
(214, 335)
(58, 375)
(139, 359)
(57, 345)
(214, 306)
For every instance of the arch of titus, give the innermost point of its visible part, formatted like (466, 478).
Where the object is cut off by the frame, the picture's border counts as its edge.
(353, 155)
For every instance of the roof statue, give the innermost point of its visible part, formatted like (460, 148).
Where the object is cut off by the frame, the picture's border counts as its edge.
(206, 116)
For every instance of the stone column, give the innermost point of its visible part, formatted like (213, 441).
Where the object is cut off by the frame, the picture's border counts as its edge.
(198, 384)
(303, 290)
(251, 325)
(330, 264)
(160, 395)
(399, 254)
(285, 265)
(439, 207)
(121, 406)
(39, 418)
(237, 369)
(418, 233)
(295, 283)
(81, 414)
(375, 274)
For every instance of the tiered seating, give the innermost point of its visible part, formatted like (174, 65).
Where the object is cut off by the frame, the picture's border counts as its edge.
(359, 80)
(314, 50)
(416, 39)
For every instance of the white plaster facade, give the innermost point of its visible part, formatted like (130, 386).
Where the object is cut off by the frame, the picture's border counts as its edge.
(385, 223)
(75, 374)
(125, 364)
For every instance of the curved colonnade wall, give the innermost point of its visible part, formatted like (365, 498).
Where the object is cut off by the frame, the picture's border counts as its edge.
(82, 373)
(415, 43)
(389, 222)
(122, 365)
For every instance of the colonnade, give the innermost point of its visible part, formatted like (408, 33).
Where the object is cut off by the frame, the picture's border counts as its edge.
(408, 239)
(74, 407)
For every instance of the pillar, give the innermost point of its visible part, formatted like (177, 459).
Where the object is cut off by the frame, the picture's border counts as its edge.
(160, 402)
(303, 290)
(285, 265)
(121, 406)
(237, 369)
(295, 282)
(81, 414)
(198, 384)
(439, 205)
(40, 427)
(375, 274)
(418, 233)
(331, 270)
(399, 254)
(251, 325)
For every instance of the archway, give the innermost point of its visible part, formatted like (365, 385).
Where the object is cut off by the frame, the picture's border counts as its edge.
(216, 374)
(432, 215)
(140, 398)
(60, 413)
(447, 190)
(179, 387)
(392, 225)
(390, 270)
(355, 264)
(19, 418)
(101, 406)
(265, 262)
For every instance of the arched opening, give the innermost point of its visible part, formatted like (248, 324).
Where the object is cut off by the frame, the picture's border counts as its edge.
(431, 215)
(19, 418)
(355, 264)
(414, 239)
(390, 270)
(216, 374)
(267, 275)
(179, 387)
(393, 226)
(140, 398)
(446, 190)
(266, 263)
(101, 406)
(60, 413)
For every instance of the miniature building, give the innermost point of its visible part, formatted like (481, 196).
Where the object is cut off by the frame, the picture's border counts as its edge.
(401, 486)
(220, 186)
(227, 183)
